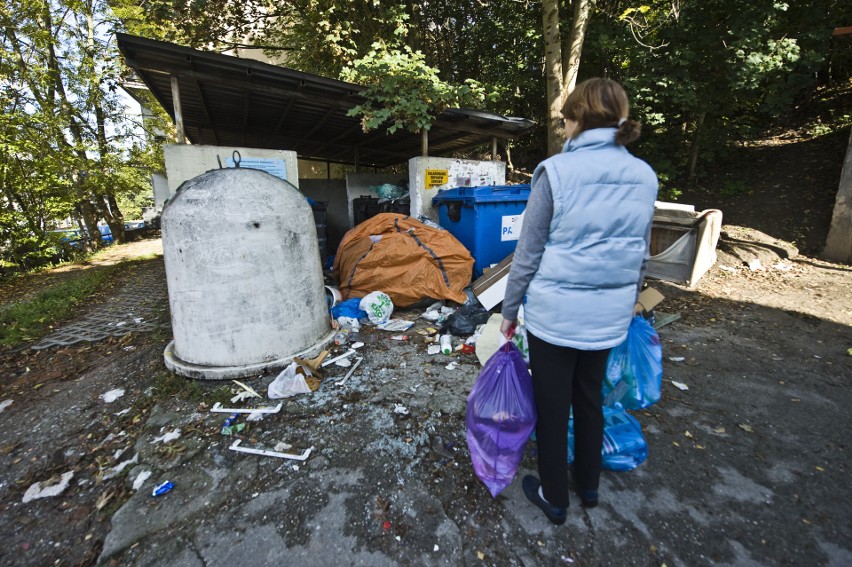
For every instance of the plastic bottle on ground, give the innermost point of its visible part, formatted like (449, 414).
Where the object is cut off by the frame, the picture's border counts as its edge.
(342, 336)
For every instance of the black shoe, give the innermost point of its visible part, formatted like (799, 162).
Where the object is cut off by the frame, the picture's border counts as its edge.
(588, 498)
(554, 514)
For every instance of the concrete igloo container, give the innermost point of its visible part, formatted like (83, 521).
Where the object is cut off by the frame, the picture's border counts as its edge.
(244, 277)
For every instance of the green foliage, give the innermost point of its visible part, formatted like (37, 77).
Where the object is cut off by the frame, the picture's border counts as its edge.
(403, 91)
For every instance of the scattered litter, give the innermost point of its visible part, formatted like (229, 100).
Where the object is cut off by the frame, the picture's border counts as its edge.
(241, 396)
(345, 363)
(112, 395)
(688, 435)
(296, 468)
(248, 389)
(727, 268)
(378, 306)
(433, 349)
(138, 320)
(130, 348)
(446, 344)
(217, 408)
(400, 409)
(48, 488)
(396, 325)
(122, 412)
(6, 403)
(452, 365)
(680, 385)
(719, 430)
(399, 337)
(754, 265)
(121, 323)
(746, 427)
(235, 446)
(350, 323)
(230, 426)
(349, 352)
(783, 267)
(436, 548)
(468, 348)
(357, 345)
(288, 383)
(170, 436)
(163, 488)
(677, 358)
(116, 470)
(118, 453)
(663, 319)
(566, 559)
(140, 479)
(256, 416)
(351, 371)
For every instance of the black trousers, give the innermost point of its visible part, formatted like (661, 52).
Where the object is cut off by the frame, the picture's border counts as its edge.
(563, 378)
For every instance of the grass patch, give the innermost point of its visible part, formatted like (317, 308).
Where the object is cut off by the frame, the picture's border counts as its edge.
(28, 320)
(168, 385)
(31, 319)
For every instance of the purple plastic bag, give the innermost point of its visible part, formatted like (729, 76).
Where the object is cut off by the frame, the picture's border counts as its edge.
(500, 417)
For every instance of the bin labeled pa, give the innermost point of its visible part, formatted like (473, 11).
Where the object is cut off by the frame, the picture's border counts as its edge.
(487, 220)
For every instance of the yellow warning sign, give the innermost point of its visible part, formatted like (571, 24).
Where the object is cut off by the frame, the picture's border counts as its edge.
(436, 177)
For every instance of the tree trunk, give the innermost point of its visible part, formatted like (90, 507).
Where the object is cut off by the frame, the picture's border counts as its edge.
(582, 12)
(553, 75)
(838, 246)
(696, 146)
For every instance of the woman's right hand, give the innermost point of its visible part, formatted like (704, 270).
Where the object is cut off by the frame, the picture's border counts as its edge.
(507, 328)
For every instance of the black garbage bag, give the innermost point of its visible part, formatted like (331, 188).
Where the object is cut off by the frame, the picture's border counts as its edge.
(465, 320)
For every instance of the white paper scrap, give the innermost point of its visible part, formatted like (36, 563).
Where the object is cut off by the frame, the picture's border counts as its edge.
(140, 479)
(43, 490)
(4, 404)
(677, 358)
(433, 349)
(167, 437)
(400, 409)
(680, 385)
(112, 395)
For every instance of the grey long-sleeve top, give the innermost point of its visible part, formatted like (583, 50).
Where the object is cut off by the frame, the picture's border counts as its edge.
(537, 217)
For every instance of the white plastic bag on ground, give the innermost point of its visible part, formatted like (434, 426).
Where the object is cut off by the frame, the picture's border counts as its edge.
(288, 383)
(378, 306)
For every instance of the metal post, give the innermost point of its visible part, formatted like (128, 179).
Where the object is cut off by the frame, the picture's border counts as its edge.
(181, 137)
(424, 142)
(494, 148)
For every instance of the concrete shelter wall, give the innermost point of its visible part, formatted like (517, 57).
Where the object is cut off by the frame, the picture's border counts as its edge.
(359, 185)
(458, 173)
(185, 161)
(332, 192)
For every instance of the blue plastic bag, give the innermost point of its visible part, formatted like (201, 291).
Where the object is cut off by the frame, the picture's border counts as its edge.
(349, 308)
(500, 417)
(637, 363)
(624, 447)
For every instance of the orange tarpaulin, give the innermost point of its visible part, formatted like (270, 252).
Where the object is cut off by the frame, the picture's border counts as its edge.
(404, 258)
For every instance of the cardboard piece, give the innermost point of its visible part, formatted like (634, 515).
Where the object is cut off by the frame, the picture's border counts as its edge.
(648, 299)
(491, 287)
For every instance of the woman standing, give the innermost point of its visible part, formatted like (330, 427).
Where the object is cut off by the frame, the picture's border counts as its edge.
(578, 268)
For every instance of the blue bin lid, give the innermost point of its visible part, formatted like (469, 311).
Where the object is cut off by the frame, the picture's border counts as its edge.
(484, 194)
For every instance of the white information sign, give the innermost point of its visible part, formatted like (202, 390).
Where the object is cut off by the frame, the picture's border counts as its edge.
(276, 167)
(511, 227)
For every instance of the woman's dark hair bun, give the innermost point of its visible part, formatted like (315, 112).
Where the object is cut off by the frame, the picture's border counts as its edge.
(627, 132)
